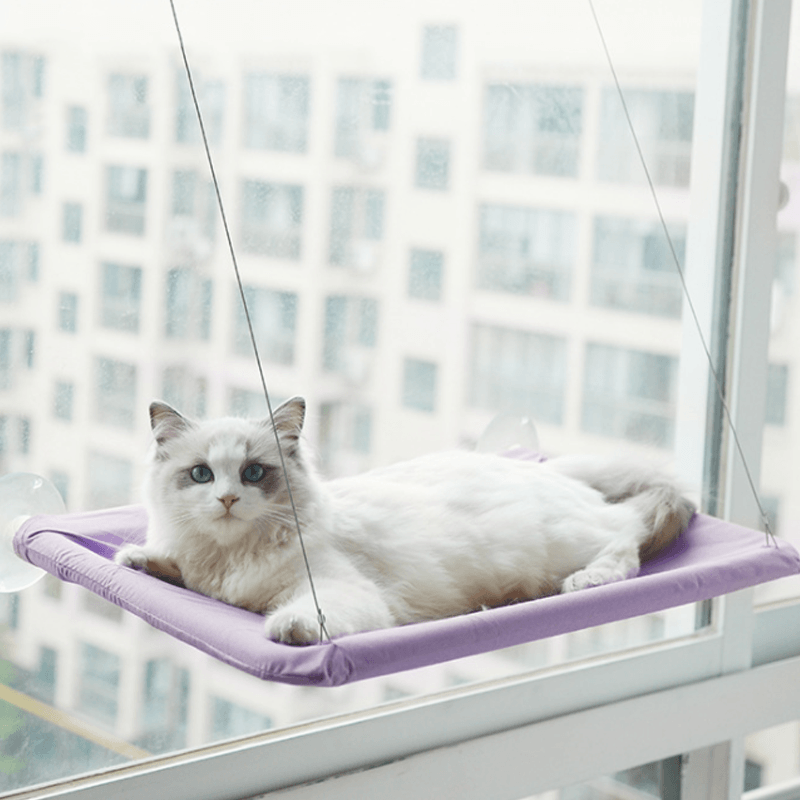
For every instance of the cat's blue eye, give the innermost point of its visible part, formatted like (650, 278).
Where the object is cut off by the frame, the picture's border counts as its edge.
(201, 474)
(254, 473)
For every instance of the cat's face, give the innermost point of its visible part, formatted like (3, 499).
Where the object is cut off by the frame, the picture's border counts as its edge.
(223, 478)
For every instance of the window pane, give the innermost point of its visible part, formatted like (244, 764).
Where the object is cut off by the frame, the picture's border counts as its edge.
(533, 128)
(779, 456)
(526, 251)
(433, 164)
(276, 112)
(438, 220)
(439, 52)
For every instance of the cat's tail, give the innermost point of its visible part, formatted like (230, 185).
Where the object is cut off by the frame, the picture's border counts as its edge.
(655, 494)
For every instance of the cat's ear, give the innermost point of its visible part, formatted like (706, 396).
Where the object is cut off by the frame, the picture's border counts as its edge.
(289, 417)
(166, 422)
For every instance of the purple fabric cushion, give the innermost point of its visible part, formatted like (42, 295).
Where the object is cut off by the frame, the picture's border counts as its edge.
(711, 558)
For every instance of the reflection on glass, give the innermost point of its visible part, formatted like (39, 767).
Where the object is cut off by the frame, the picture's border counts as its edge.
(436, 223)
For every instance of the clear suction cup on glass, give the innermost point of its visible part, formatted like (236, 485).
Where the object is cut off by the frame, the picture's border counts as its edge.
(22, 495)
(507, 432)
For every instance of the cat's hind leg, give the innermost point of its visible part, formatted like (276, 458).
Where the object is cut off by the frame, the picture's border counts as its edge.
(619, 530)
(614, 563)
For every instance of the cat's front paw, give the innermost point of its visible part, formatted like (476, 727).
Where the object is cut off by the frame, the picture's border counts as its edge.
(132, 555)
(291, 626)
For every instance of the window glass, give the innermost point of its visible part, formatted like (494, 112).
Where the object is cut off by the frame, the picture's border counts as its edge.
(782, 422)
(128, 110)
(419, 384)
(425, 274)
(433, 164)
(439, 52)
(76, 129)
(437, 220)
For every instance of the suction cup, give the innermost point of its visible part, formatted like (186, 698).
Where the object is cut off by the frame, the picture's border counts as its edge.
(22, 495)
(506, 432)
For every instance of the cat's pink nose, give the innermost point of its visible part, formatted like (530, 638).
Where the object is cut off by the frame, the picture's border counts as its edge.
(228, 500)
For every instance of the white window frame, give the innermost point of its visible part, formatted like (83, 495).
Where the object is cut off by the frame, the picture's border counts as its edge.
(513, 737)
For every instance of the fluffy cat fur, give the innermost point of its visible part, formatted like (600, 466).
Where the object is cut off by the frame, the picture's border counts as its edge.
(433, 537)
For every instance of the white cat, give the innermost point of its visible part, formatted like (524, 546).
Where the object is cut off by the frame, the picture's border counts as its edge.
(436, 536)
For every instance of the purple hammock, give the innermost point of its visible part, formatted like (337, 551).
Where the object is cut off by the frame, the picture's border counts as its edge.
(710, 559)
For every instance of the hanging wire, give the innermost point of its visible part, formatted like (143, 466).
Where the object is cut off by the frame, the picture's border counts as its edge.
(717, 381)
(221, 206)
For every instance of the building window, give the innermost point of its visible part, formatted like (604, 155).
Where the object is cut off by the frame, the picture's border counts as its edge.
(439, 52)
(165, 705)
(276, 112)
(72, 222)
(777, 384)
(126, 198)
(184, 390)
(121, 297)
(356, 227)
(68, 312)
(32, 271)
(633, 267)
(419, 384)
(211, 97)
(110, 480)
(44, 680)
(345, 426)
(273, 315)
(77, 129)
(433, 164)
(272, 218)
(194, 212)
(629, 394)
(663, 121)
(249, 404)
(531, 128)
(24, 435)
(128, 112)
(36, 172)
(99, 684)
(115, 393)
(229, 719)
(18, 262)
(345, 435)
(189, 299)
(52, 587)
(10, 184)
(184, 184)
(350, 335)
(526, 251)
(6, 358)
(363, 113)
(425, 274)
(23, 83)
(518, 372)
(29, 348)
(62, 400)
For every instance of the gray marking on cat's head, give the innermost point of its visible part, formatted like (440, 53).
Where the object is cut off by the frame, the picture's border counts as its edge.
(187, 508)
